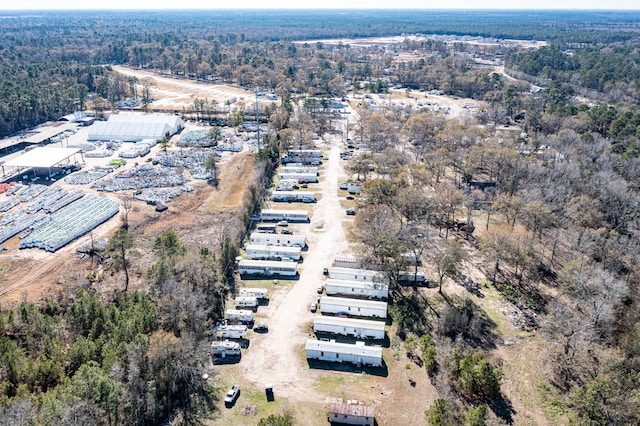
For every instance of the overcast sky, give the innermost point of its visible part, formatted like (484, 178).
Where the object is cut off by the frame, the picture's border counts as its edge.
(320, 4)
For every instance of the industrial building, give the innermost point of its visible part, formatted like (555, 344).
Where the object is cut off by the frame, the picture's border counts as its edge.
(136, 127)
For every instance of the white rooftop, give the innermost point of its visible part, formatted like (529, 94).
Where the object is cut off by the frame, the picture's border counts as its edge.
(42, 157)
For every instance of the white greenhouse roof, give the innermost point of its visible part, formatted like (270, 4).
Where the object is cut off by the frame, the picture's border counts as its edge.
(42, 157)
(135, 127)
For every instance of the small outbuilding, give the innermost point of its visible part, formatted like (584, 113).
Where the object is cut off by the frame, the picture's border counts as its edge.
(351, 414)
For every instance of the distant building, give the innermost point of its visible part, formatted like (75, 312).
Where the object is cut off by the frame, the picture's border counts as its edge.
(79, 117)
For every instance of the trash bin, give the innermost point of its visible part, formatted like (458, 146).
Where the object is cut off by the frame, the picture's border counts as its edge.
(268, 388)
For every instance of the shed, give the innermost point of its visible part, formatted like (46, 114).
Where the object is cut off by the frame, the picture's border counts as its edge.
(332, 351)
(351, 414)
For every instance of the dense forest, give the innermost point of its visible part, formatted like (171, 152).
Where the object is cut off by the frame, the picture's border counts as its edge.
(557, 199)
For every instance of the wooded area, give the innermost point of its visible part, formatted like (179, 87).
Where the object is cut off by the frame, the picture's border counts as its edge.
(548, 213)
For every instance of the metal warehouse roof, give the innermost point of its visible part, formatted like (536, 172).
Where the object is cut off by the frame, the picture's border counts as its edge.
(42, 157)
(348, 322)
(344, 348)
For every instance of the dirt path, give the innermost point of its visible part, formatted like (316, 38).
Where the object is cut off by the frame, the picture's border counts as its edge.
(278, 357)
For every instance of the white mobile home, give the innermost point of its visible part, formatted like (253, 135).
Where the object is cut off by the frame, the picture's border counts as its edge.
(353, 307)
(331, 351)
(244, 302)
(338, 273)
(347, 261)
(266, 228)
(352, 288)
(271, 215)
(230, 331)
(305, 153)
(299, 169)
(271, 252)
(351, 414)
(287, 184)
(278, 240)
(225, 349)
(300, 177)
(268, 268)
(260, 293)
(239, 315)
(358, 328)
(409, 277)
(293, 196)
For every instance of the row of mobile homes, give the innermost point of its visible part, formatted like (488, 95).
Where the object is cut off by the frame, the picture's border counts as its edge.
(246, 302)
(260, 293)
(358, 328)
(271, 215)
(271, 252)
(284, 240)
(267, 228)
(331, 351)
(299, 169)
(351, 414)
(350, 288)
(353, 307)
(293, 196)
(338, 273)
(301, 177)
(268, 268)
(230, 331)
(224, 349)
(238, 316)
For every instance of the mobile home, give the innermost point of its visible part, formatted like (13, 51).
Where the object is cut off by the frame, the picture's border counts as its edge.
(351, 414)
(301, 177)
(271, 215)
(239, 316)
(266, 228)
(331, 351)
(305, 153)
(268, 268)
(230, 331)
(225, 349)
(409, 277)
(286, 240)
(246, 302)
(260, 293)
(353, 307)
(299, 169)
(338, 273)
(270, 252)
(358, 328)
(293, 196)
(352, 288)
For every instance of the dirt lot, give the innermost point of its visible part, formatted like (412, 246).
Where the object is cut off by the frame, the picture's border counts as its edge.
(172, 94)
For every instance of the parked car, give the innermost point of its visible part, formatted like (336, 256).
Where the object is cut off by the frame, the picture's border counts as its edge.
(320, 289)
(344, 185)
(232, 395)
(304, 185)
(342, 315)
(262, 328)
(351, 212)
(314, 307)
(283, 223)
(301, 181)
(286, 231)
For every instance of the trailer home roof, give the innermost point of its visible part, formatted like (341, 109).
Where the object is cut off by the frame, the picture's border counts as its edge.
(354, 303)
(356, 410)
(353, 271)
(271, 264)
(348, 322)
(358, 349)
(278, 237)
(356, 284)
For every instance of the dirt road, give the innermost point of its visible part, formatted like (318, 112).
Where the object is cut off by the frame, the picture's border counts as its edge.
(277, 357)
